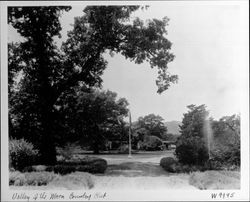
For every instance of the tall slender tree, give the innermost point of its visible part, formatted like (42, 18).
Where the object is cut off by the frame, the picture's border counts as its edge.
(191, 146)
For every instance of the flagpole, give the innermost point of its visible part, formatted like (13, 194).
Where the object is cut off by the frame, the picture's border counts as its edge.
(129, 136)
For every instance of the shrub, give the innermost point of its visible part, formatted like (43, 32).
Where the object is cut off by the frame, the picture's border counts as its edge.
(168, 164)
(226, 141)
(50, 169)
(95, 167)
(39, 178)
(225, 156)
(152, 143)
(191, 150)
(88, 164)
(21, 154)
(17, 178)
(64, 169)
(66, 152)
(12, 170)
(123, 149)
(36, 168)
(28, 169)
(186, 168)
(77, 180)
(171, 165)
(39, 168)
(31, 178)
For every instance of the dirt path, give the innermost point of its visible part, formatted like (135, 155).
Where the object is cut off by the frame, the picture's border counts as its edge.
(133, 175)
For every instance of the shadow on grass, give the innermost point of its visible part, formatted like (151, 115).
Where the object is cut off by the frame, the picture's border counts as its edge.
(136, 169)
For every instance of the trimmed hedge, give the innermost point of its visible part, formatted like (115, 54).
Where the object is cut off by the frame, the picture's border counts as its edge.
(64, 169)
(87, 164)
(168, 164)
(171, 165)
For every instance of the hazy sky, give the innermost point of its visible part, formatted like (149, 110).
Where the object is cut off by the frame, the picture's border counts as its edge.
(209, 42)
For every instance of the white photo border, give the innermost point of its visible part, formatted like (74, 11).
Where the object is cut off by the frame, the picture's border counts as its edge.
(126, 195)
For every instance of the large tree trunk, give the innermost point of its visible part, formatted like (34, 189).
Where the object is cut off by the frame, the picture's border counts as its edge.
(47, 150)
(95, 139)
(47, 146)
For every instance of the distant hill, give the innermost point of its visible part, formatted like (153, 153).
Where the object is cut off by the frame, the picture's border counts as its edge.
(173, 127)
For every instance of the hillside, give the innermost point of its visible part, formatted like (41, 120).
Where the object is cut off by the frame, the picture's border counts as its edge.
(173, 127)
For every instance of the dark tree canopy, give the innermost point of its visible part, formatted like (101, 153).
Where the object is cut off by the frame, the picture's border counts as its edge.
(91, 117)
(48, 71)
(151, 125)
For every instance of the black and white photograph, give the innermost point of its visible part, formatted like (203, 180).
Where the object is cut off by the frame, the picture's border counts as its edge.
(116, 100)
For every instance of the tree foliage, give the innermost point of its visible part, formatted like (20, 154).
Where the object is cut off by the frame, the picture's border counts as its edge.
(191, 146)
(151, 143)
(226, 140)
(92, 117)
(150, 125)
(193, 121)
(48, 71)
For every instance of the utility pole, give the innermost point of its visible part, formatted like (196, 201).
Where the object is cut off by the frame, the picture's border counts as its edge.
(129, 136)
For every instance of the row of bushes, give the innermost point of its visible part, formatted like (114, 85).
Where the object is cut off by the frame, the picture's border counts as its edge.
(94, 165)
(171, 165)
(71, 181)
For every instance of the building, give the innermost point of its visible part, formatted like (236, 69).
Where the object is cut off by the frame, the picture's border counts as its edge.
(169, 144)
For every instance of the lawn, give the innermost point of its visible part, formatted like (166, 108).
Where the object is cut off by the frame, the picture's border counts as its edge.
(142, 172)
(143, 157)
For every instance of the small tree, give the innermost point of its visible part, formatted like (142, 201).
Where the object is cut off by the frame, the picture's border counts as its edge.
(191, 145)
